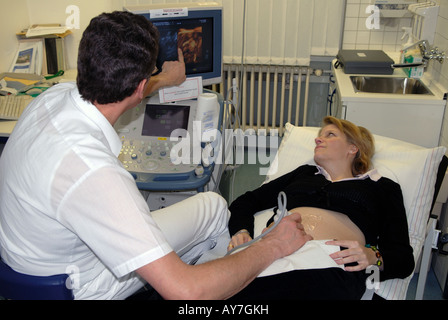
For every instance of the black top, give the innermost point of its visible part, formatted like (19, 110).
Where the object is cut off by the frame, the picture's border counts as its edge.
(376, 207)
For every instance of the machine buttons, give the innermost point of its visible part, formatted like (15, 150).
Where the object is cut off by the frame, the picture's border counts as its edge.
(151, 156)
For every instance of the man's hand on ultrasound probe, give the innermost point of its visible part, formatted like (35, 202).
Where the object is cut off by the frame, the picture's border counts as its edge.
(288, 236)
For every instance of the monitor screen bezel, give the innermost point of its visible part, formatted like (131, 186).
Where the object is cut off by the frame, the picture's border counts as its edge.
(215, 13)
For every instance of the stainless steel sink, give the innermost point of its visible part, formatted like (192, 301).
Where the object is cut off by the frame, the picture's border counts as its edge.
(391, 85)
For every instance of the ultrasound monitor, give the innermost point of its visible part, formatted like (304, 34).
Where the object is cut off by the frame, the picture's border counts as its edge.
(196, 28)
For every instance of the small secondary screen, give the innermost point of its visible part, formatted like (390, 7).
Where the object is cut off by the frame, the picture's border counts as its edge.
(163, 120)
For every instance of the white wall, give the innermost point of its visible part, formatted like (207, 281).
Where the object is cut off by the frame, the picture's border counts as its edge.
(13, 18)
(44, 11)
(22, 13)
(308, 27)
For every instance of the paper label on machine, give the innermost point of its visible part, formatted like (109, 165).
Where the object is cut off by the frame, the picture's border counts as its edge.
(208, 120)
(168, 12)
(189, 89)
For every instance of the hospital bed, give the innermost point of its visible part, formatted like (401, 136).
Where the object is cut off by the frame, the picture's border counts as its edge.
(415, 168)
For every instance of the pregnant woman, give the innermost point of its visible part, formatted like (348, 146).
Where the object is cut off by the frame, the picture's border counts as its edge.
(353, 214)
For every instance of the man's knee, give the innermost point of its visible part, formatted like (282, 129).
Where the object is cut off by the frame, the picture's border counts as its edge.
(217, 203)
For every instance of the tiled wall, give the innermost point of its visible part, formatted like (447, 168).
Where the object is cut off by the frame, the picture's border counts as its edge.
(358, 36)
(388, 38)
(440, 71)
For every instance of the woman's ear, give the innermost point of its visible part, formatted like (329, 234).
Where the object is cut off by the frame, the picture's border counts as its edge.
(353, 149)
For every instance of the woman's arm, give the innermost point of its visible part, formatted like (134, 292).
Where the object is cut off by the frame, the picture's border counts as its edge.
(393, 241)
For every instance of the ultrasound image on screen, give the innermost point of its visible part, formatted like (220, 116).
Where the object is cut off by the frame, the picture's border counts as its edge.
(164, 120)
(193, 36)
(190, 42)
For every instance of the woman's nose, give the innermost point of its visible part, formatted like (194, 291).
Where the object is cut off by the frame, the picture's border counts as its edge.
(318, 140)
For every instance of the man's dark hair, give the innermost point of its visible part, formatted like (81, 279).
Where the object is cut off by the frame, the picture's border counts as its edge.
(117, 51)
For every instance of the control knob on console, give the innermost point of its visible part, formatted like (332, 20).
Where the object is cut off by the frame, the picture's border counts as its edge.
(199, 171)
(150, 165)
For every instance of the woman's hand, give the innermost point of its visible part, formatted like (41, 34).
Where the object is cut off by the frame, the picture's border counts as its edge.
(355, 252)
(239, 238)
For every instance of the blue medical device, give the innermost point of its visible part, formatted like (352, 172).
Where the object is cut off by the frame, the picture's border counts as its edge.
(147, 131)
(152, 134)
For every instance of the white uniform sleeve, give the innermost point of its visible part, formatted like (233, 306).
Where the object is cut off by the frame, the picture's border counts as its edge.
(108, 213)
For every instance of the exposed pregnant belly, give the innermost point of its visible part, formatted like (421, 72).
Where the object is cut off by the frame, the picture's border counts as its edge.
(325, 224)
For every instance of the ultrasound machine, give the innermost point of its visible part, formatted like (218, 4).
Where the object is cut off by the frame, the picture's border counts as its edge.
(153, 132)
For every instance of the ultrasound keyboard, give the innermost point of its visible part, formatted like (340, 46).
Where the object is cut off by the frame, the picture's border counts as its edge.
(151, 156)
(11, 107)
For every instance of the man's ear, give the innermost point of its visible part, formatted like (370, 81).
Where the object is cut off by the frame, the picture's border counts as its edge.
(140, 91)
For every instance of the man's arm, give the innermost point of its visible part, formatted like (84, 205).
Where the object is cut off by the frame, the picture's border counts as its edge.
(222, 278)
(172, 74)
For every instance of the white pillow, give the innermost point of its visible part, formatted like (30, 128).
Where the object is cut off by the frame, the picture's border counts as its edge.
(412, 166)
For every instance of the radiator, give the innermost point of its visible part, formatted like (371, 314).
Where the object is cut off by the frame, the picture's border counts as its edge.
(271, 95)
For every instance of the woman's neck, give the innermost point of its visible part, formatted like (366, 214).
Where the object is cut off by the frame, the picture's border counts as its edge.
(338, 172)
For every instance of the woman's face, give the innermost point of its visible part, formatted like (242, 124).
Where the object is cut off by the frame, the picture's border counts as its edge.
(331, 144)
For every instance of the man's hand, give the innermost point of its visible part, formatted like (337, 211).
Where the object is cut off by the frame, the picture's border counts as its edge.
(289, 235)
(172, 74)
(174, 71)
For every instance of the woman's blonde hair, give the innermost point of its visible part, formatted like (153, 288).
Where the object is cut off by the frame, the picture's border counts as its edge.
(358, 136)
